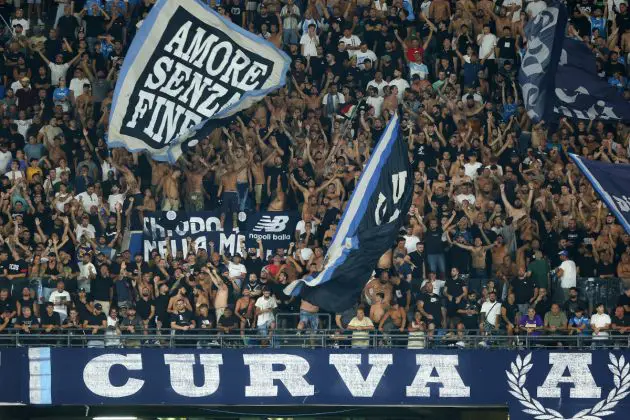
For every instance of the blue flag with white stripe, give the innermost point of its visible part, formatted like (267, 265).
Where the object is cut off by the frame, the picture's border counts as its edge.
(612, 183)
(368, 228)
(187, 69)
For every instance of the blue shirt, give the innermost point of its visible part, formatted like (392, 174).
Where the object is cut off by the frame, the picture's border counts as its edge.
(578, 322)
(61, 94)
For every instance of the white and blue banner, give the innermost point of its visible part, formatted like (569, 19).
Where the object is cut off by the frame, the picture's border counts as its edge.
(211, 230)
(368, 228)
(612, 183)
(187, 67)
(534, 385)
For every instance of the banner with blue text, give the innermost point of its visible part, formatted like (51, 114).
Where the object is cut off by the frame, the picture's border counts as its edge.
(554, 384)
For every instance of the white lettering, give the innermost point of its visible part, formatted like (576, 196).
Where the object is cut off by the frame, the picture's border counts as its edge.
(96, 375)
(447, 375)
(580, 376)
(182, 377)
(262, 375)
(348, 367)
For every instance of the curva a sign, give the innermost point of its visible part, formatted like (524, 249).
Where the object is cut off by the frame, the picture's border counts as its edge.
(540, 385)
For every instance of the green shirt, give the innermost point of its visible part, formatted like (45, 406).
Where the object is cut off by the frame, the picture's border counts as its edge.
(540, 272)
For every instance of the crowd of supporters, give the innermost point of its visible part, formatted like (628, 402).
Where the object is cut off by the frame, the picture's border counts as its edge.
(502, 223)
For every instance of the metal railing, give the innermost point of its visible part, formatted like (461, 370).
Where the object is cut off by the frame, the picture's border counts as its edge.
(438, 339)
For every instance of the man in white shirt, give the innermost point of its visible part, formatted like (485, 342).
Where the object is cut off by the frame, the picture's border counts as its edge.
(19, 20)
(309, 42)
(237, 270)
(85, 228)
(360, 325)
(378, 83)
(265, 306)
(600, 323)
(353, 42)
(77, 82)
(491, 310)
(567, 273)
(61, 299)
(115, 198)
(87, 272)
(58, 69)
(400, 83)
(88, 198)
(470, 167)
(5, 158)
(374, 100)
(487, 42)
(363, 54)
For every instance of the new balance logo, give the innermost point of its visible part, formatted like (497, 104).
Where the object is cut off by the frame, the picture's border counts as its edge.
(271, 224)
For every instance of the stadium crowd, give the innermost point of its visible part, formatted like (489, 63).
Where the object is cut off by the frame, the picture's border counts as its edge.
(500, 213)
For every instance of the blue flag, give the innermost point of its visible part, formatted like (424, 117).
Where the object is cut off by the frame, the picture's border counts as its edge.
(545, 35)
(580, 92)
(612, 183)
(368, 228)
(187, 69)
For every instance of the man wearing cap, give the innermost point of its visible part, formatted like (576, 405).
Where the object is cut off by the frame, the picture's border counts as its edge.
(567, 274)
(96, 324)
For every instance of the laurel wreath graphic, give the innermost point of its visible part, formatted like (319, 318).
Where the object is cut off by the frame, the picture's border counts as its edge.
(518, 375)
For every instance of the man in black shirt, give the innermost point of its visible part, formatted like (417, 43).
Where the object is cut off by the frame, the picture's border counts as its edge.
(620, 322)
(95, 325)
(182, 320)
(525, 290)
(7, 306)
(228, 322)
(101, 287)
(26, 322)
(507, 47)
(622, 300)
(145, 308)
(417, 258)
(573, 303)
(430, 306)
(455, 290)
(468, 311)
(434, 247)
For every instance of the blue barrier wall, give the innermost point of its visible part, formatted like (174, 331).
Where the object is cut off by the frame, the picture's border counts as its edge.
(540, 384)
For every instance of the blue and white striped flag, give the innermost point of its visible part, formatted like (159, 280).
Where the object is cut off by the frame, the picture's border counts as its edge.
(368, 228)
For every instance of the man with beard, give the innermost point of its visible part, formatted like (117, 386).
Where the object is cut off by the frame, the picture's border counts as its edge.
(393, 322)
(377, 285)
(573, 303)
(430, 306)
(468, 311)
(455, 290)
(525, 291)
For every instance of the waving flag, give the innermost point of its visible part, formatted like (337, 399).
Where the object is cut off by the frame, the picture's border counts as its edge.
(545, 34)
(580, 92)
(612, 183)
(368, 228)
(558, 76)
(187, 67)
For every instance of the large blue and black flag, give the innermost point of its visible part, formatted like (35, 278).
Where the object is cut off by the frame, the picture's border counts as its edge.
(558, 76)
(612, 183)
(368, 228)
(187, 70)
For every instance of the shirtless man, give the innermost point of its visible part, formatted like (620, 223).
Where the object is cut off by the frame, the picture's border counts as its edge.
(279, 198)
(133, 186)
(308, 316)
(517, 211)
(244, 310)
(440, 10)
(227, 189)
(378, 309)
(221, 296)
(194, 184)
(170, 185)
(258, 172)
(158, 172)
(243, 177)
(378, 285)
(395, 318)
